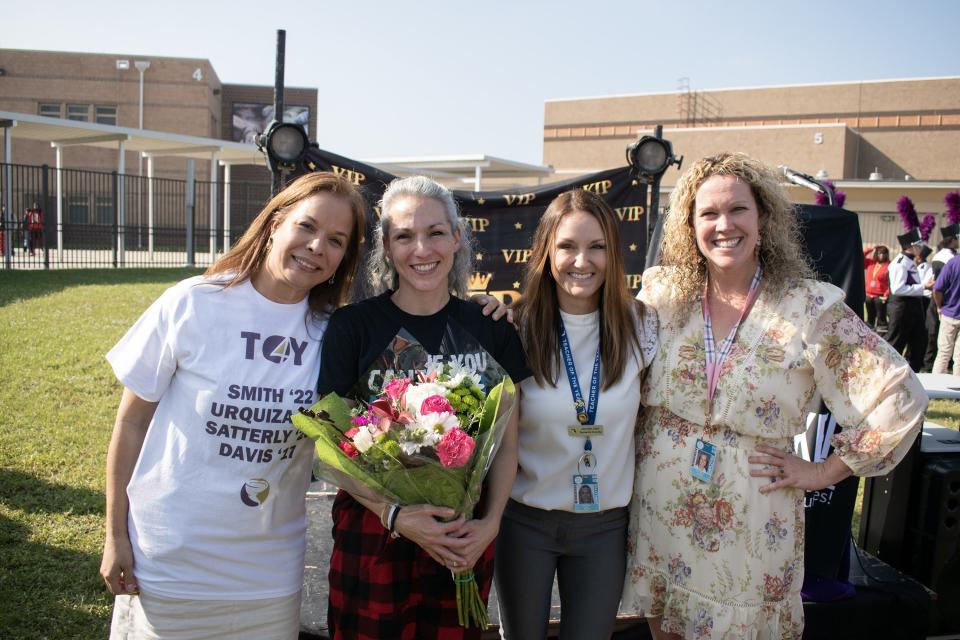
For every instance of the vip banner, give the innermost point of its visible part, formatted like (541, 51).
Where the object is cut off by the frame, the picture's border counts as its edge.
(503, 222)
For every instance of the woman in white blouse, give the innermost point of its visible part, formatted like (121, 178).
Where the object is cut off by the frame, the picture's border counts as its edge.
(587, 343)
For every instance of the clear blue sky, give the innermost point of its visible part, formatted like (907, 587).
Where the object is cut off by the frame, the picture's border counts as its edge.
(448, 77)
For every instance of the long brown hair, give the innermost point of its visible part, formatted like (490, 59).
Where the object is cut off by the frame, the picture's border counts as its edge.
(247, 256)
(537, 311)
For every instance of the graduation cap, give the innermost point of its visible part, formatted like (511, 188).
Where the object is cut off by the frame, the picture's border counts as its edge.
(950, 231)
(925, 252)
(909, 239)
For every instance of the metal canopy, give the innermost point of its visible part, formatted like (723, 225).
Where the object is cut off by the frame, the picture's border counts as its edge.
(467, 168)
(64, 133)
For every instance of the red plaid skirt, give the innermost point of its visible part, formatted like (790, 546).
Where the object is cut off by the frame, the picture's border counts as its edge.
(381, 587)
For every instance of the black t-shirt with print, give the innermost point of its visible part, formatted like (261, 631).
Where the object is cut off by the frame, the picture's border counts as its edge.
(359, 333)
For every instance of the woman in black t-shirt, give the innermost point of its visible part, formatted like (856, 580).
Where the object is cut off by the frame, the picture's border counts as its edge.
(391, 587)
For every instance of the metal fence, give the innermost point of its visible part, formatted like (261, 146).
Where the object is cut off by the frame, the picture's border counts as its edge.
(117, 220)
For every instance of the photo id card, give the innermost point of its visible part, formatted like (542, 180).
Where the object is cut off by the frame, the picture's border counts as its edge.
(704, 460)
(586, 493)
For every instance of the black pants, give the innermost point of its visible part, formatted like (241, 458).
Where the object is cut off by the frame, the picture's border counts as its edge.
(932, 320)
(906, 329)
(876, 312)
(586, 552)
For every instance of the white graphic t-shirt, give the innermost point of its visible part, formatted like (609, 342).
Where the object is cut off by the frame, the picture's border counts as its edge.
(217, 495)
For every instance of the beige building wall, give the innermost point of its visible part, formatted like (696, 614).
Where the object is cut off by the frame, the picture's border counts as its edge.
(901, 126)
(897, 128)
(180, 95)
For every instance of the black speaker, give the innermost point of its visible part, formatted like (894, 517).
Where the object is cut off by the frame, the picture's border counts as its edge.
(933, 534)
(883, 517)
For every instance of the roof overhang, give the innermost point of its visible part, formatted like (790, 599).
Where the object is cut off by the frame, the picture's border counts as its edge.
(63, 133)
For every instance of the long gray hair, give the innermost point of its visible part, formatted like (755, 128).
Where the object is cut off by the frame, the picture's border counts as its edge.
(381, 272)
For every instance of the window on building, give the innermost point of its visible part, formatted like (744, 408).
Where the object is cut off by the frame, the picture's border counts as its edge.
(80, 112)
(104, 210)
(78, 209)
(50, 109)
(104, 114)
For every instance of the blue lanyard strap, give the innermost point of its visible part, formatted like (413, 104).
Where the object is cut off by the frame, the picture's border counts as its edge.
(586, 412)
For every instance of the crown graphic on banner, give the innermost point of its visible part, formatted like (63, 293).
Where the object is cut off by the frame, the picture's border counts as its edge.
(479, 281)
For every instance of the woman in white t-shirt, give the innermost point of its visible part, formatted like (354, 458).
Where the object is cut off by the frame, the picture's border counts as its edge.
(206, 476)
(587, 343)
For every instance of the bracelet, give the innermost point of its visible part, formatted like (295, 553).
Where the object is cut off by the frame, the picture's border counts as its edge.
(392, 521)
(383, 514)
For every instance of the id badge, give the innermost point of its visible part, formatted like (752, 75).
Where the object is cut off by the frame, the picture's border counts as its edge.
(704, 460)
(586, 493)
(873, 284)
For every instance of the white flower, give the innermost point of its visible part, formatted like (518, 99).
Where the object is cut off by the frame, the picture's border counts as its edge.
(362, 440)
(410, 448)
(437, 424)
(417, 393)
(458, 374)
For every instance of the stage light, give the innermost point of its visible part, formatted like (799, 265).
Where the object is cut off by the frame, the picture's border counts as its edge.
(651, 156)
(285, 145)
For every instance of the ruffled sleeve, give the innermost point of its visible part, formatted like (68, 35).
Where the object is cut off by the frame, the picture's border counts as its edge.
(868, 386)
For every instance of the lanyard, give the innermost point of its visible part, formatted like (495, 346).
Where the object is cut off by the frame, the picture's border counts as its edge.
(714, 360)
(586, 412)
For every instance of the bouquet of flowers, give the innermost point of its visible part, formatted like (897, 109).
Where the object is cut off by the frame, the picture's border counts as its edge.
(416, 436)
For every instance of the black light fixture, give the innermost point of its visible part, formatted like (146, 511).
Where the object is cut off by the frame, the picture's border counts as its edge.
(651, 156)
(285, 144)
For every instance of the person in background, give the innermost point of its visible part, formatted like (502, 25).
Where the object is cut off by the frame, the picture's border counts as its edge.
(33, 228)
(946, 297)
(906, 328)
(588, 343)
(947, 249)
(876, 262)
(925, 271)
(206, 477)
(749, 343)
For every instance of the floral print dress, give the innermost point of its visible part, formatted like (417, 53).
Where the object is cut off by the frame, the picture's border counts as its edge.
(719, 559)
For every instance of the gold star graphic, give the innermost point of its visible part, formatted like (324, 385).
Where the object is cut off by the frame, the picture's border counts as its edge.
(479, 256)
(480, 200)
(633, 247)
(518, 225)
(516, 285)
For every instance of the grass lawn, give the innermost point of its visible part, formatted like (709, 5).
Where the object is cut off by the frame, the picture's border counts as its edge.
(57, 403)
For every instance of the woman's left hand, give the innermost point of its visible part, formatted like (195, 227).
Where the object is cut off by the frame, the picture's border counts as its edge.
(478, 534)
(790, 471)
(491, 305)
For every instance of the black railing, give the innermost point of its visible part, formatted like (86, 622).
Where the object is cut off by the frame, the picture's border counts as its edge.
(109, 219)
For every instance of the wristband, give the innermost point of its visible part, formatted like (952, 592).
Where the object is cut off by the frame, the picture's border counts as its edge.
(392, 521)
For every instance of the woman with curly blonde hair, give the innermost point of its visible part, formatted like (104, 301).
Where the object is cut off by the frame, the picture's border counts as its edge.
(749, 343)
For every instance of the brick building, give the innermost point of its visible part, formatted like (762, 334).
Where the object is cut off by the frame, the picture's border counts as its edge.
(180, 95)
(875, 140)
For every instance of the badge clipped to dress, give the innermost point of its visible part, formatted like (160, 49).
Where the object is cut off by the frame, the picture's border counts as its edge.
(586, 481)
(704, 459)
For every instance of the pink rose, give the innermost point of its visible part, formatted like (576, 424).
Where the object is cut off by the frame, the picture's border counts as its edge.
(396, 388)
(435, 404)
(454, 448)
(351, 432)
(348, 449)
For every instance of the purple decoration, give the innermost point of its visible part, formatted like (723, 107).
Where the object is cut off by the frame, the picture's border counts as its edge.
(952, 200)
(908, 213)
(839, 197)
(926, 226)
